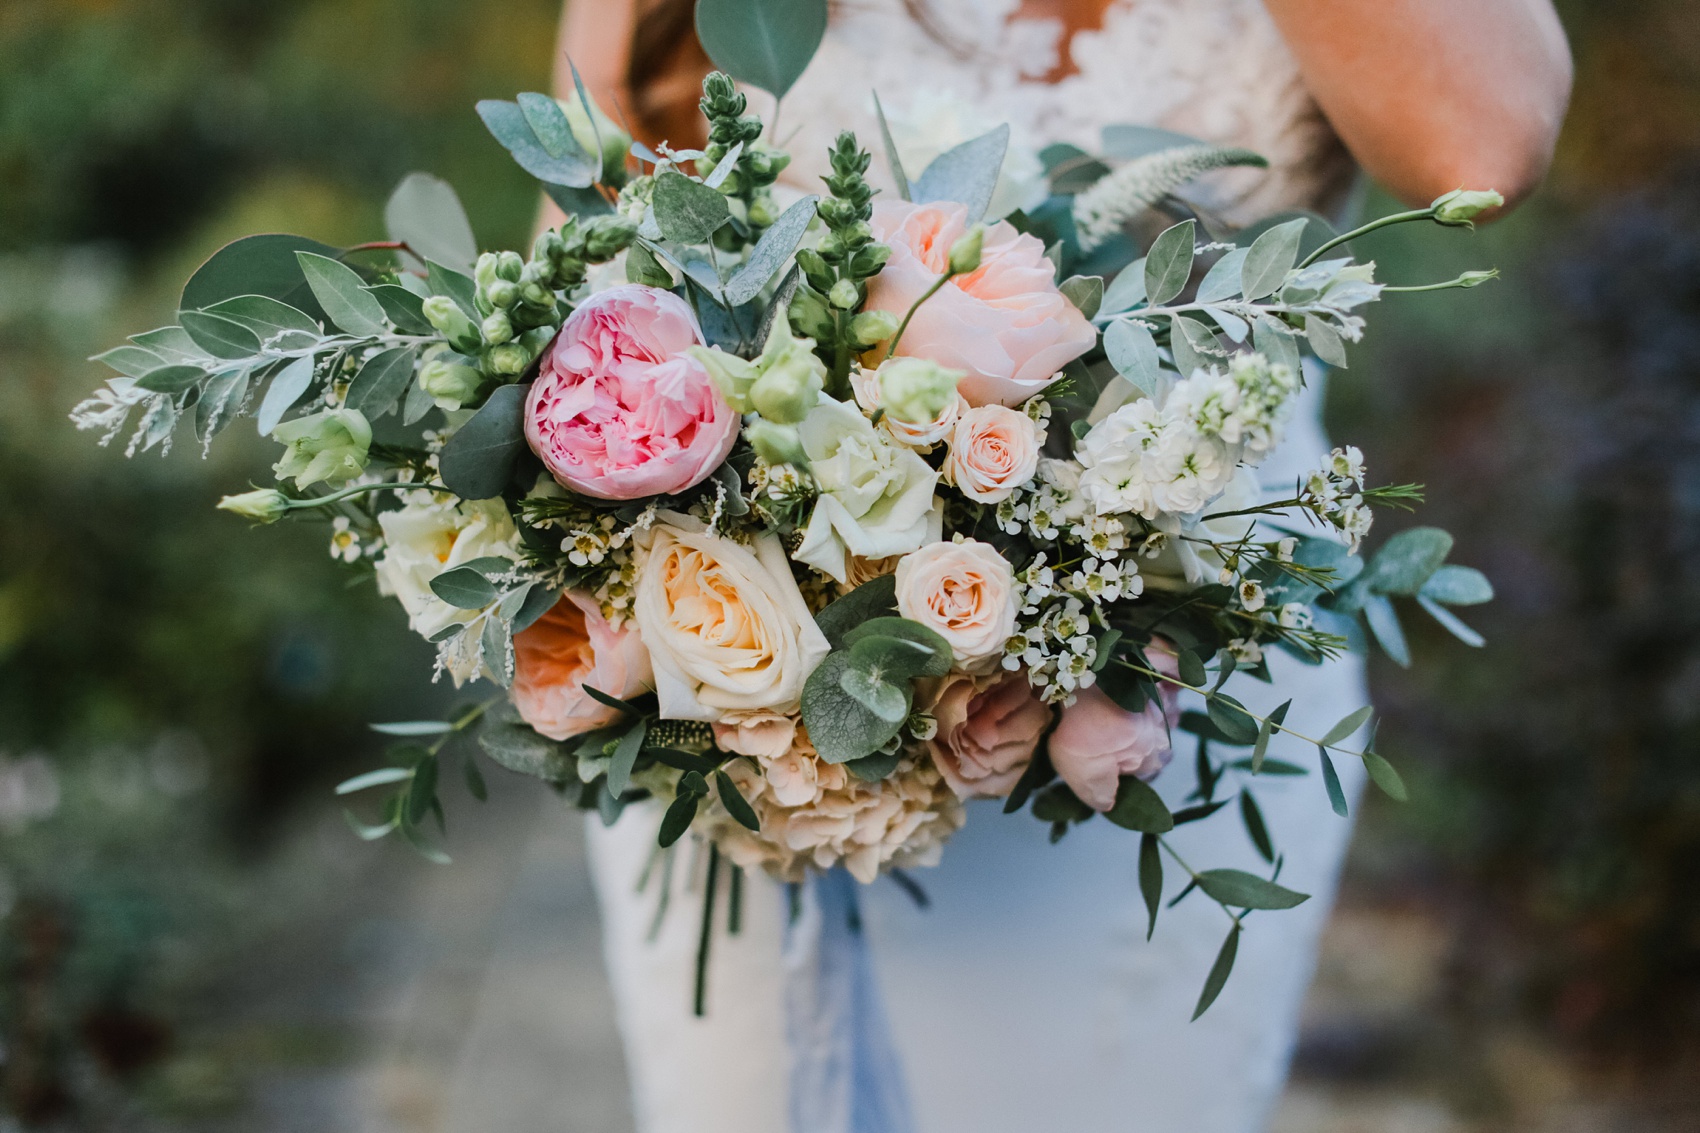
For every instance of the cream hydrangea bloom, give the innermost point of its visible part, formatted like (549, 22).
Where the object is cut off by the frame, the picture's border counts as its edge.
(815, 813)
(876, 497)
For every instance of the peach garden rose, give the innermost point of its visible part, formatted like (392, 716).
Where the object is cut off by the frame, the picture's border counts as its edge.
(1005, 323)
(993, 451)
(567, 648)
(964, 591)
(619, 410)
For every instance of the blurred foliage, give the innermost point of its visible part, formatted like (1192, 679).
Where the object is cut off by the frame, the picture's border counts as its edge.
(171, 684)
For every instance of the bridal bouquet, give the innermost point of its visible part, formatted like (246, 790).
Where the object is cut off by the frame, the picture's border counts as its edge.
(812, 518)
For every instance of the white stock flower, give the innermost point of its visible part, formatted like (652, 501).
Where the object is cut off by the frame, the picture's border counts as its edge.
(726, 627)
(876, 497)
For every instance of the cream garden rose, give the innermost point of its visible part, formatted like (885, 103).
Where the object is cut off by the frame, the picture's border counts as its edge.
(966, 592)
(726, 627)
(993, 451)
(876, 497)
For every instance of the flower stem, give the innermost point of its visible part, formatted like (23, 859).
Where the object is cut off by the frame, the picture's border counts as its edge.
(358, 489)
(904, 325)
(1383, 222)
(1275, 727)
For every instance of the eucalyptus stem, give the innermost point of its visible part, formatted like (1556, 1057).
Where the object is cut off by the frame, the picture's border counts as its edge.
(1274, 726)
(1363, 230)
(1192, 873)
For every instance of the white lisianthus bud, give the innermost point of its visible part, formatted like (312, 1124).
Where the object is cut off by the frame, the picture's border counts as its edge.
(872, 327)
(451, 384)
(733, 375)
(1462, 206)
(776, 444)
(452, 322)
(264, 505)
(965, 253)
(497, 329)
(916, 390)
(330, 446)
(1477, 278)
(789, 376)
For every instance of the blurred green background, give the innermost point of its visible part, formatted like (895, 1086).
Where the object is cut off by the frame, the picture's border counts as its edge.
(1518, 945)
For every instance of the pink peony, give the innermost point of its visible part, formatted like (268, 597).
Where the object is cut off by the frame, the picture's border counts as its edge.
(564, 650)
(988, 728)
(1098, 741)
(1005, 323)
(618, 410)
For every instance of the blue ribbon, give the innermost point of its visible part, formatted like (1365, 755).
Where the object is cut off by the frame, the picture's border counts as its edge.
(845, 1075)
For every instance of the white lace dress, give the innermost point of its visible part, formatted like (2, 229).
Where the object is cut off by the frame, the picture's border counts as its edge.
(1026, 998)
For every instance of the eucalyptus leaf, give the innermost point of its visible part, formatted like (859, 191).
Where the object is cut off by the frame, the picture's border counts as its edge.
(893, 162)
(508, 123)
(342, 293)
(770, 253)
(513, 744)
(1133, 352)
(1231, 718)
(170, 379)
(1168, 264)
(1219, 972)
(381, 382)
(1086, 292)
(1256, 829)
(735, 803)
(1384, 776)
(1151, 879)
(1264, 732)
(1193, 344)
(413, 728)
(1275, 340)
(1325, 341)
(479, 459)
(885, 700)
(220, 337)
(1346, 725)
(272, 321)
(1125, 291)
(1222, 281)
(1405, 563)
(681, 812)
(255, 265)
(1269, 259)
(1454, 585)
(464, 588)
(286, 389)
(625, 758)
(402, 307)
(173, 344)
(642, 267)
(919, 651)
(382, 777)
(840, 726)
(967, 173)
(765, 43)
(1126, 142)
(875, 598)
(687, 211)
(1139, 807)
(133, 361)
(1453, 624)
(1331, 783)
(1241, 890)
(425, 214)
(220, 402)
(444, 280)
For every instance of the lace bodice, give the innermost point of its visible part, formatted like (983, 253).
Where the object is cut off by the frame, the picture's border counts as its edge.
(1214, 69)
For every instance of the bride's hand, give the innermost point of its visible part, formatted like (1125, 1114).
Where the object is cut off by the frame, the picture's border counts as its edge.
(1435, 95)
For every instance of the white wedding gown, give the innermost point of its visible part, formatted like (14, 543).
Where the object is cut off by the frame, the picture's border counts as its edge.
(1027, 998)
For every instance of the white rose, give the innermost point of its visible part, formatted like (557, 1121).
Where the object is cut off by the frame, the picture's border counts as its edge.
(993, 451)
(966, 593)
(876, 497)
(426, 537)
(725, 626)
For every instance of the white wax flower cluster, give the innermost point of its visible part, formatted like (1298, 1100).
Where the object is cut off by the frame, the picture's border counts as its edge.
(1151, 459)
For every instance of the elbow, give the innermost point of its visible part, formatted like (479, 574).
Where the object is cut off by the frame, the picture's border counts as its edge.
(1507, 147)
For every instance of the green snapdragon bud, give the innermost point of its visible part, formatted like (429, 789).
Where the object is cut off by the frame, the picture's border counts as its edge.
(763, 211)
(450, 383)
(1460, 207)
(497, 329)
(502, 294)
(509, 266)
(844, 295)
(871, 328)
(965, 253)
(506, 360)
(452, 323)
(265, 505)
(916, 390)
(608, 236)
(809, 314)
(484, 271)
(731, 374)
(776, 444)
(331, 446)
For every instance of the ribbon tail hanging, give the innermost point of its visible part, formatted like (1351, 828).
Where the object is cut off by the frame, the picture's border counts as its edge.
(845, 1074)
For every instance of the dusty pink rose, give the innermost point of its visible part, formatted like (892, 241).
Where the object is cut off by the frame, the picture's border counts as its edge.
(1005, 323)
(988, 728)
(1098, 741)
(569, 647)
(619, 410)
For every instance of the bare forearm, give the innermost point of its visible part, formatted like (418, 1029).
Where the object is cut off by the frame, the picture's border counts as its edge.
(1434, 95)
